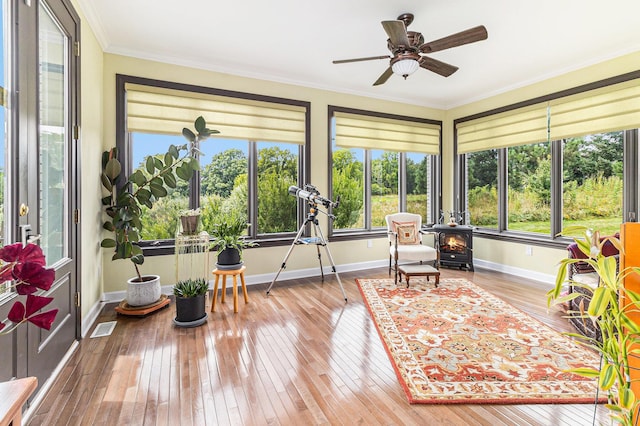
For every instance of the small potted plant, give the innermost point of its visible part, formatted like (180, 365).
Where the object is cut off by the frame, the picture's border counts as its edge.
(190, 302)
(229, 240)
(189, 219)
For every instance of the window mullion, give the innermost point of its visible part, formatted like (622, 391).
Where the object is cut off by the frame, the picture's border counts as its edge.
(630, 176)
(194, 182)
(367, 189)
(402, 182)
(252, 188)
(556, 187)
(503, 189)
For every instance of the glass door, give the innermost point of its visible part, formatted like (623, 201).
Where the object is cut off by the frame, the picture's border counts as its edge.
(52, 195)
(38, 169)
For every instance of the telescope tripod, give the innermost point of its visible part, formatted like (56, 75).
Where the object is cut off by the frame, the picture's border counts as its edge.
(318, 240)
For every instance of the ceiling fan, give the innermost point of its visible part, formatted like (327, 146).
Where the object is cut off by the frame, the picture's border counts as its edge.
(408, 47)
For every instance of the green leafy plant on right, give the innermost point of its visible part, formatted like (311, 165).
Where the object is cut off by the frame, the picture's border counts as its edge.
(190, 287)
(609, 309)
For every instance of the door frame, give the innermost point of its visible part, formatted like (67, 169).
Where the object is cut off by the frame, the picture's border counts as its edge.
(24, 126)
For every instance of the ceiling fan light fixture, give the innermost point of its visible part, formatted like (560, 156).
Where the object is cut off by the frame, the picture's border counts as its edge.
(405, 67)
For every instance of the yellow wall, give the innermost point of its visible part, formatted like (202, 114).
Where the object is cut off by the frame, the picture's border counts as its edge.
(91, 113)
(543, 260)
(259, 260)
(267, 260)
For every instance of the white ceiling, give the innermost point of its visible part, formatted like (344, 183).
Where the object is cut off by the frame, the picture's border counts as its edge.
(294, 41)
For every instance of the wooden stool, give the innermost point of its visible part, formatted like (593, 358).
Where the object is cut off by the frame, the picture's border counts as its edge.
(418, 271)
(234, 273)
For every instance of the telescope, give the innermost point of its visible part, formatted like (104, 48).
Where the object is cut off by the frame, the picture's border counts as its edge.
(311, 194)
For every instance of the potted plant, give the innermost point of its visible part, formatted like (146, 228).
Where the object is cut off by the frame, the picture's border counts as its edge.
(24, 268)
(123, 204)
(618, 332)
(189, 220)
(190, 302)
(229, 240)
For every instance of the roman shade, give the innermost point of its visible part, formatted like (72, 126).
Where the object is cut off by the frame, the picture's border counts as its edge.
(605, 109)
(153, 109)
(371, 132)
(512, 128)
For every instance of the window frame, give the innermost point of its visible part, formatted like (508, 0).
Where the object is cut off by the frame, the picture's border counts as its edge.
(630, 173)
(435, 190)
(124, 145)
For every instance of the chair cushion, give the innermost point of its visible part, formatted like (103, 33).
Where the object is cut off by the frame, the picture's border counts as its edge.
(407, 232)
(414, 252)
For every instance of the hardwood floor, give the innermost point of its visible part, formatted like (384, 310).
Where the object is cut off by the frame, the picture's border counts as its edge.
(299, 356)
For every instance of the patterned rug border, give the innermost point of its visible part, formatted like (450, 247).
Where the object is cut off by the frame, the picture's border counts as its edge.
(557, 399)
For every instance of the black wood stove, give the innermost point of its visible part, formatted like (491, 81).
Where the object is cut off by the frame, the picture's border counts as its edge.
(455, 244)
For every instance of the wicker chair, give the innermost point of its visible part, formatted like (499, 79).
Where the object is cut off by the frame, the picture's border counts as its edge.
(584, 274)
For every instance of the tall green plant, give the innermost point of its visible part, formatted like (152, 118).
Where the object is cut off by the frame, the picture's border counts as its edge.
(609, 308)
(125, 200)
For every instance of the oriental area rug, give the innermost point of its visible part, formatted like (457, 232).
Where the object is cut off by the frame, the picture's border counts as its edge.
(458, 344)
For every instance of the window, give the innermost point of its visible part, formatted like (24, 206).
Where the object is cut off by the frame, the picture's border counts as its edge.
(529, 188)
(565, 159)
(418, 183)
(592, 176)
(381, 164)
(247, 168)
(482, 188)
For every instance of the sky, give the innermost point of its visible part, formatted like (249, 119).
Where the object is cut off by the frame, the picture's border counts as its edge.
(149, 144)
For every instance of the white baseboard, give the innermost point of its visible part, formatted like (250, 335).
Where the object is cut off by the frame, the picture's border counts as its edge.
(519, 272)
(118, 296)
(91, 318)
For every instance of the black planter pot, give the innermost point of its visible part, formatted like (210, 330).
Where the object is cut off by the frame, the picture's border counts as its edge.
(229, 259)
(190, 310)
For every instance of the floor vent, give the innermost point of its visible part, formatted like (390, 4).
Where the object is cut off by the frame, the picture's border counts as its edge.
(104, 329)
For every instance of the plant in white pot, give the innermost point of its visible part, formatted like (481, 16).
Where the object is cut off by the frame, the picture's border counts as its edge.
(125, 199)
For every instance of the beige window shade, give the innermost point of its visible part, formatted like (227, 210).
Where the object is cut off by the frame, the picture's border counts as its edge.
(159, 110)
(606, 109)
(512, 128)
(611, 108)
(362, 131)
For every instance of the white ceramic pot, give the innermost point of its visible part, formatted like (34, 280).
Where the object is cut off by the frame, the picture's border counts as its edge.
(143, 293)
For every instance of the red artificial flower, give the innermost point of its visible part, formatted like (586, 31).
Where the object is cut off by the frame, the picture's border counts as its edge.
(32, 274)
(19, 312)
(16, 314)
(11, 252)
(25, 265)
(21, 254)
(44, 320)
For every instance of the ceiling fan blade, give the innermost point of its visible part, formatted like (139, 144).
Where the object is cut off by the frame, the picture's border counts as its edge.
(436, 66)
(397, 32)
(384, 77)
(458, 39)
(368, 58)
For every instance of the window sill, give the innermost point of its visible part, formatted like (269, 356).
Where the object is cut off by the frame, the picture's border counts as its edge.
(522, 238)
